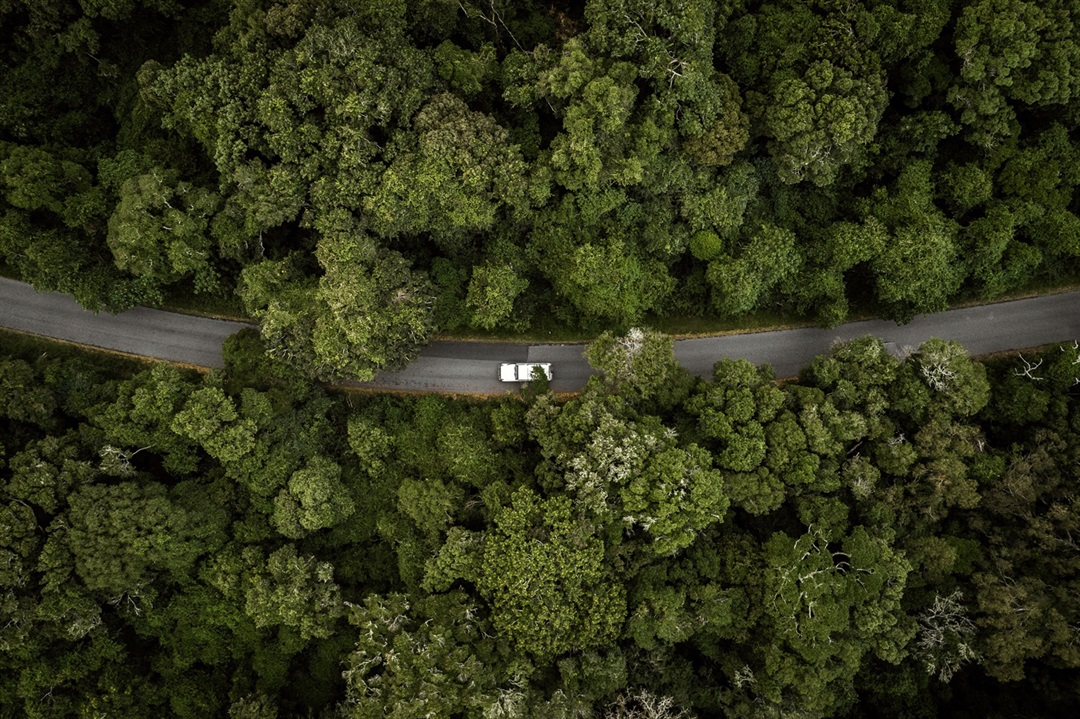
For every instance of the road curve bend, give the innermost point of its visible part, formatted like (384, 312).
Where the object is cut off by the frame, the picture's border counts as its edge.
(472, 367)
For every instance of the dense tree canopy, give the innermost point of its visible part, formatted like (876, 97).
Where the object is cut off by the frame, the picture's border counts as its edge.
(881, 537)
(884, 536)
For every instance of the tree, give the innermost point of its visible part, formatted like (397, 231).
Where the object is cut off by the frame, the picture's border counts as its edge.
(451, 175)
(721, 129)
(369, 312)
(469, 451)
(821, 121)
(730, 415)
(671, 45)
(644, 705)
(1025, 579)
(277, 293)
(966, 186)
(827, 607)
(675, 496)
(848, 243)
(641, 366)
(606, 138)
(403, 667)
(856, 376)
(770, 256)
(24, 398)
(160, 229)
(491, 294)
(46, 471)
(722, 202)
(1012, 50)
(36, 179)
(945, 637)
(209, 417)
(986, 241)
(122, 535)
(940, 378)
(278, 114)
(917, 271)
(315, 499)
(142, 415)
(292, 590)
(67, 260)
(466, 72)
(605, 278)
(376, 311)
(918, 268)
(544, 577)
(637, 473)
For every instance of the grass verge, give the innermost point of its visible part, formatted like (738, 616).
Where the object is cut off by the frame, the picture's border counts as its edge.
(218, 307)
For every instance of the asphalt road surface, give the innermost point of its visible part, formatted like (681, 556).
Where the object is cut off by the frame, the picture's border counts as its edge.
(140, 331)
(472, 367)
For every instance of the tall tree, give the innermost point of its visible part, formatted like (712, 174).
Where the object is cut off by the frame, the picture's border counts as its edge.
(544, 577)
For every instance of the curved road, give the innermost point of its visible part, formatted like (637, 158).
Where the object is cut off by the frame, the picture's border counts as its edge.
(472, 367)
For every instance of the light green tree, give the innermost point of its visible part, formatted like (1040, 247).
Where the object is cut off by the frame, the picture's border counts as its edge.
(121, 536)
(161, 229)
(544, 577)
(491, 294)
(314, 499)
(821, 120)
(406, 664)
(368, 312)
(827, 605)
(451, 175)
(292, 590)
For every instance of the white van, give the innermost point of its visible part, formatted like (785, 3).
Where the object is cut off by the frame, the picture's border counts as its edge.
(522, 371)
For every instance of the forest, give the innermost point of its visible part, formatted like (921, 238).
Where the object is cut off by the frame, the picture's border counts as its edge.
(365, 174)
(880, 537)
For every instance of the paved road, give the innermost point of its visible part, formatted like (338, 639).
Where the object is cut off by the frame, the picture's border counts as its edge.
(473, 366)
(141, 331)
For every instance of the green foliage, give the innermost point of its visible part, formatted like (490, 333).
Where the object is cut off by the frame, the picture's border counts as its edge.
(827, 606)
(1012, 50)
(368, 312)
(294, 591)
(46, 471)
(795, 545)
(210, 419)
(543, 575)
(121, 535)
(142, 416)
(500, 165)
(705, 245)
(454, 179)
(738, 284)
(25, 400)
(466, 72)
(149, 236)
(315, 499)
(641, 367)
(605, 281)
(882, 536)
(918, 267)
(820, 121)
(35, 179)
(491, 295)
(402, 667)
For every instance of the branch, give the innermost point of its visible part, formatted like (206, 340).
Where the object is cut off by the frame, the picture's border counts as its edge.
(1029, 367)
